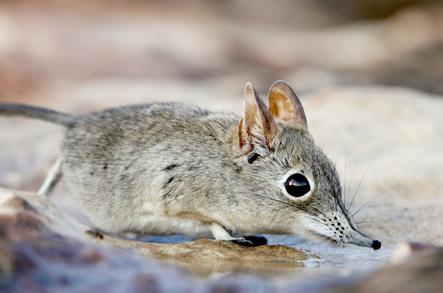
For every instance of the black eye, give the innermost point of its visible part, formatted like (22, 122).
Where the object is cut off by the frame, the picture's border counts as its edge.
(297, 185)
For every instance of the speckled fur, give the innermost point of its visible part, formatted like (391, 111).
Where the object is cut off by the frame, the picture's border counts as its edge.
(173, 160)
(170, 168)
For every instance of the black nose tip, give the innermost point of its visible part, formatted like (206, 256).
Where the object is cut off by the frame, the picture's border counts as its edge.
(376, 244)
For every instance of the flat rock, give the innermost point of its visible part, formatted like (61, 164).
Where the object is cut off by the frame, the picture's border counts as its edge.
(37, 237)
(42, 249)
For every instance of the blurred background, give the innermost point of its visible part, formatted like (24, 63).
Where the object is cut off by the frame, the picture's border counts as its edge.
(60, 50)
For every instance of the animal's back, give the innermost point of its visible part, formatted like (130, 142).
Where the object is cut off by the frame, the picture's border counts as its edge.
(117, 161)
(170, 168)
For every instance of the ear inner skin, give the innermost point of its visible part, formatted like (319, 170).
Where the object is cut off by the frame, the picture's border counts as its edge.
(268, 124)
(257, 128)
(243, 140)
(285, 106)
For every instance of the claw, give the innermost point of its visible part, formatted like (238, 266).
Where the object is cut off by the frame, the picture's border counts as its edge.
(243, 242)
(250, 241)
(257, 240)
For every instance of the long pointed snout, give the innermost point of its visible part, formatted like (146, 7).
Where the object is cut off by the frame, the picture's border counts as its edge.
(359, 239)
(337, 227)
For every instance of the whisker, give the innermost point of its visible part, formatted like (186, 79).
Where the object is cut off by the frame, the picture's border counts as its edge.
(358, 187)
(344, 183)
(362, 222)
(365, 204)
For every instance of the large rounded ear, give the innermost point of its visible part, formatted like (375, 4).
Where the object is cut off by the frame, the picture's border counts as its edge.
(257, 128)
(285, 106)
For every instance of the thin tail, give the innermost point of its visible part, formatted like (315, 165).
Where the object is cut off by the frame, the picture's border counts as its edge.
(10, 109)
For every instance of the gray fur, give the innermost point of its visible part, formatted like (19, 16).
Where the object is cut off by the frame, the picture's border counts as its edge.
(170, 168)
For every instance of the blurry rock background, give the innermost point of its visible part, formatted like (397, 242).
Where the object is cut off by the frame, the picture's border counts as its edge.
(55, 45)
(369, 72)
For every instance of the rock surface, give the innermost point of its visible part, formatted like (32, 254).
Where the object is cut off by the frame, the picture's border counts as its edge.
(42, 250)
(36, 238)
